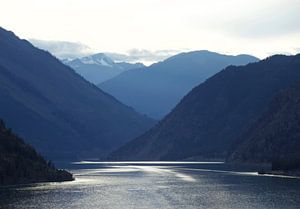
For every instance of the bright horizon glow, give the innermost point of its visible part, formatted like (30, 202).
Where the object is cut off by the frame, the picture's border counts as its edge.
(147, 162)
(257, 27)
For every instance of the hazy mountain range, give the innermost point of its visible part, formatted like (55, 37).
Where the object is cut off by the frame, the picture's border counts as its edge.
(55, 109)
(211, 118)
(246, 113)
(98, 68)
(156, 89)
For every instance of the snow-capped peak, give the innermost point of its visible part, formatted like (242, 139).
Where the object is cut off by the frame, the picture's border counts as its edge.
(98, 59)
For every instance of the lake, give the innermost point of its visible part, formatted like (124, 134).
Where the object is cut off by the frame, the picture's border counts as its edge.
(157, 185)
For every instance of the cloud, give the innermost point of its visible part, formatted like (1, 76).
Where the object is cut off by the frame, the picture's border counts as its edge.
(142, 55)
(63, 49)
(297, 50)
(272, 19)
(72, 50)
(237, 26)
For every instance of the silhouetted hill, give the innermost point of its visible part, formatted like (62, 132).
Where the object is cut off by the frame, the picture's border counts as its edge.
(209, 119)
(99, 67)
(20, 163)
(56, 110)
(155, 90)
(275, 137)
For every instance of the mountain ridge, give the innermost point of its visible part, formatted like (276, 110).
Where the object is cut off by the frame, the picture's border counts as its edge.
(99, 67)
(208, 119)
(55, 109)
(156, 89)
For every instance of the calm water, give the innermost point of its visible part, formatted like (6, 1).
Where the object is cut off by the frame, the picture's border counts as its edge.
(157, 185)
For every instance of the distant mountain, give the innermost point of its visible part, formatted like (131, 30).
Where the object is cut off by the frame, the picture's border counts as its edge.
(275, 137)
(20, 163)
(155, 90)
(210, 118)
(99, 67)
(56, 110)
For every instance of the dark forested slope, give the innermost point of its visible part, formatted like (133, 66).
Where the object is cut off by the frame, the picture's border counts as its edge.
(275, 137)
(20, 163)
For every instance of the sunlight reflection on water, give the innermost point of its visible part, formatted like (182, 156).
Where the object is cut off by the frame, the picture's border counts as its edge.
(147, 162)
(153, 185)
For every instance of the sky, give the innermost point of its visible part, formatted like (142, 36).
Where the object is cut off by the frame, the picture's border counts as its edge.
(158, 28)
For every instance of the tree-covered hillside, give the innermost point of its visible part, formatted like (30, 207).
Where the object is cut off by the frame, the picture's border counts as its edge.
(20, 163)
(275, 137)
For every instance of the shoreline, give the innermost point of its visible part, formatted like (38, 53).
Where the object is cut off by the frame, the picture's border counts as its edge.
(33, 183)
(295, 173)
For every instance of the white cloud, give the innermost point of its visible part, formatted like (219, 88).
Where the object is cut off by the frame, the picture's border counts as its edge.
(142, 55)
(63, 49)
(71, 50)
(270, 20)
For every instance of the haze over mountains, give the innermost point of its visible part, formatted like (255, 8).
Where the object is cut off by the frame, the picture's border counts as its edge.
(98, 68)
(206, 123)
(156, 89)
(55, 109)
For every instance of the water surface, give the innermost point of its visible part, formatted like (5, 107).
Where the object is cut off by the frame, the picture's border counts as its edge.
(157, 185)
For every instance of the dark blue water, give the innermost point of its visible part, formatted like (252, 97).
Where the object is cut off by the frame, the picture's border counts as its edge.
(157, 185)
